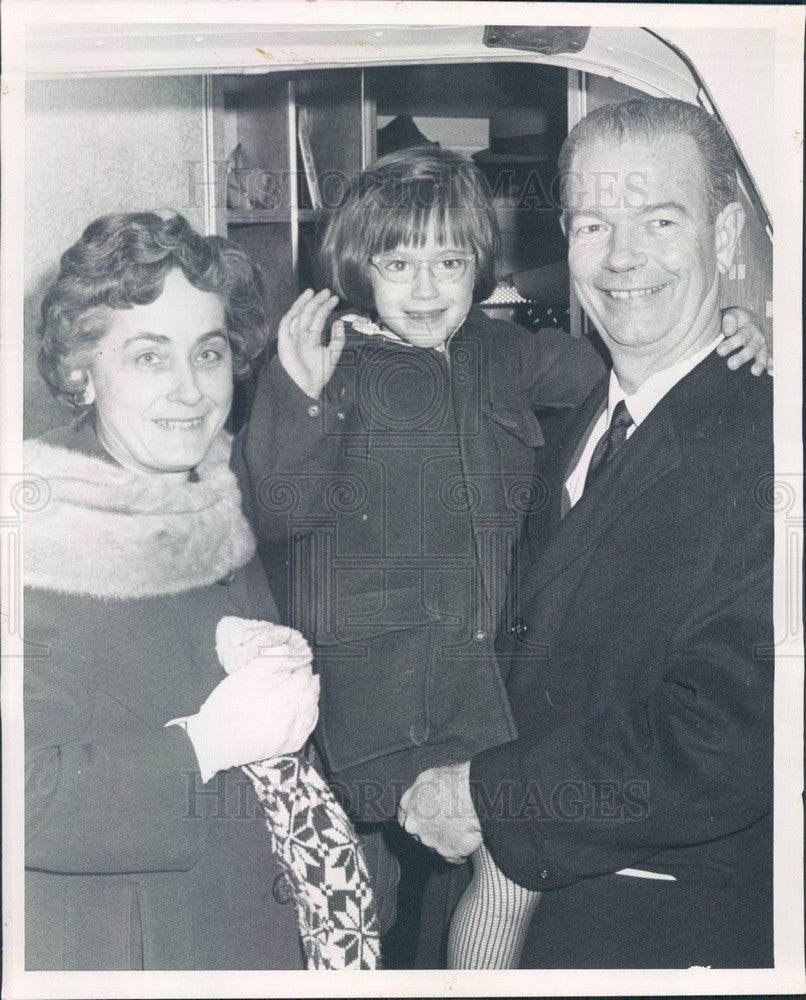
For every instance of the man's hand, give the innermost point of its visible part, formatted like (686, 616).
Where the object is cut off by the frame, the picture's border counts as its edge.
(299, 341)
(438, 811)
(743, 333)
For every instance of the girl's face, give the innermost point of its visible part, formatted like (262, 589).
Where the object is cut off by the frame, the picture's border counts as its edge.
(431, 304)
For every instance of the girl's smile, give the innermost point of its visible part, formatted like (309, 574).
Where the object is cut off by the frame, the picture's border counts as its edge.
(425, 311)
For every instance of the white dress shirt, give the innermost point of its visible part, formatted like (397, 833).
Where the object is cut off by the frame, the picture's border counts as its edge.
(640, 404)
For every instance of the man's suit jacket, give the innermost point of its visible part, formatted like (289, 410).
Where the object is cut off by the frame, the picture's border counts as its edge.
(639, 667)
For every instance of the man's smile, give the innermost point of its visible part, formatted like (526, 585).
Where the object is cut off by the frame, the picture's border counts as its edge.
(187, 423)
(632, 293)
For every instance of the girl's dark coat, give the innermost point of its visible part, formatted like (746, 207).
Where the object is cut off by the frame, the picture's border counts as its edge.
(392, 505)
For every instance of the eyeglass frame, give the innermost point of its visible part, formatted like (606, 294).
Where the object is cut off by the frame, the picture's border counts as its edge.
(467, 258)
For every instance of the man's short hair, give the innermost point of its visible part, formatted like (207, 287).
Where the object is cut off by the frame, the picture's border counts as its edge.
(644, 119)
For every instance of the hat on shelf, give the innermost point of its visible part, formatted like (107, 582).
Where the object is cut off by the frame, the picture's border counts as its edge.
(518, 134)
(401, 133)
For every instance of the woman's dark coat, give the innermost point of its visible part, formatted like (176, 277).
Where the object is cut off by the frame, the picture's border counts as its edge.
(131, 862)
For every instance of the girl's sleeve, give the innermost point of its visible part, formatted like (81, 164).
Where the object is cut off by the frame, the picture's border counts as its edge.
(96, 806)
(282, 457)
(558, 370)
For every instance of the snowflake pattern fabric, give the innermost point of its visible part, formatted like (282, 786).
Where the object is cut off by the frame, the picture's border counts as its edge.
(317, 846)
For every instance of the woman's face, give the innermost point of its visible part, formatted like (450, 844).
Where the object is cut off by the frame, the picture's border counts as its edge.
(162, 379)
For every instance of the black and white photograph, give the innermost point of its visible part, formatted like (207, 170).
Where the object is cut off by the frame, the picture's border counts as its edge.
(402, 499)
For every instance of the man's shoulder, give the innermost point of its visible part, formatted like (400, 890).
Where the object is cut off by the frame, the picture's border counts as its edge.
(754, 395)
(750, 410)
(727, 391)
(725, 412)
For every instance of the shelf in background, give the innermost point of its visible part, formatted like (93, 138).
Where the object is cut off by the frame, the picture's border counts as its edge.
(256, 216)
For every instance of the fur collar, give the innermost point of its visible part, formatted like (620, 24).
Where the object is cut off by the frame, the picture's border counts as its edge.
(108, 532)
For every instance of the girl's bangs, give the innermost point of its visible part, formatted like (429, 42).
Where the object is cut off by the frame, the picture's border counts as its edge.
(412, 225)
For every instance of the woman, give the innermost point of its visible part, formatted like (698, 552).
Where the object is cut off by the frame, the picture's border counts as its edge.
(146, 846)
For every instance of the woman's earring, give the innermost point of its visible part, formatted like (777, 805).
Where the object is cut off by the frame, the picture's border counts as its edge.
(87, 394)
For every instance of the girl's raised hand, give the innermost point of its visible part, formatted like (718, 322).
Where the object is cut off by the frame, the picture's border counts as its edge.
(299, 341)
(742, 332)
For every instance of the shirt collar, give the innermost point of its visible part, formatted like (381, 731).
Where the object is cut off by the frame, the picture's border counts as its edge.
(363, 324)
(647, 396)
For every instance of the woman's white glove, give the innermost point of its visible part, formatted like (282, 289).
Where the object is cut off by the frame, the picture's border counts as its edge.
(238, 641)
(268, 705)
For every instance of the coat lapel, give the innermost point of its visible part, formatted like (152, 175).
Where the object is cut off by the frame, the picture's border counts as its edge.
(570, 448)
(650, 453)
(570, 433)
(470, 400)
(488, 409)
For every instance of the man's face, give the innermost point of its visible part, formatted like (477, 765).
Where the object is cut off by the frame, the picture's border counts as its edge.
(643, 256)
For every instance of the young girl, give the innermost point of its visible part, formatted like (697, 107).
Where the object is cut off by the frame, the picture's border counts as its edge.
(389, 472)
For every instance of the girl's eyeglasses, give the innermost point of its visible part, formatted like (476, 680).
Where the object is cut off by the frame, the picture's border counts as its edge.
(445, 269)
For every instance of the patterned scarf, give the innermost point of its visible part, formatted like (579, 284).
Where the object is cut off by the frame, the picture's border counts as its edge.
(315, 843)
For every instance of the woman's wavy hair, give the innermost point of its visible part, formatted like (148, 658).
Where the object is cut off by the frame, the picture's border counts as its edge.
(398, 201)
(121, 261)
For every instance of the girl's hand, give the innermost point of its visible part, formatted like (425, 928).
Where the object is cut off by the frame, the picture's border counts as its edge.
(742, 332)
(299, 341)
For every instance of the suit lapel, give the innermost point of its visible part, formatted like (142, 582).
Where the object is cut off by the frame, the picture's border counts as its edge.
(570, 436)
(573, 446)
(650, 453)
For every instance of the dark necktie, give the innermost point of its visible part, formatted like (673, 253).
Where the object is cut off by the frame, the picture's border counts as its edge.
(610, 442)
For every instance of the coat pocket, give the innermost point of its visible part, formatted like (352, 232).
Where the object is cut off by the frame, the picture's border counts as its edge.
(518, 420)
(83, 922)
(375, 660)
(136, 940)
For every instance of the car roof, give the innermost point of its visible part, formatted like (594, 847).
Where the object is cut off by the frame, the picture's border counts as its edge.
(697, 65)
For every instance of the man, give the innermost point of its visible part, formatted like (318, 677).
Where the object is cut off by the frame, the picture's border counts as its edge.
(638, 796)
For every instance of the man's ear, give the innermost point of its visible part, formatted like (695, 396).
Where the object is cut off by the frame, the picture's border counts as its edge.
(563, 225)
(728, 227)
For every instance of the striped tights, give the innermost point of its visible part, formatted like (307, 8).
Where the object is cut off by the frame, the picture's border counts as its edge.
(490, 922)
